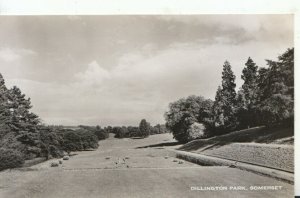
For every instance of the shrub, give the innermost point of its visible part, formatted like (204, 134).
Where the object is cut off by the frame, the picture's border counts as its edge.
(50, 141)
(101, 134)
(66, 158)
(88, 139)
(196, 130)
(121, 132)
(10, 159)
(55, 151)
(184, 112)
(54, 164)
(71, 141)
(79, 140)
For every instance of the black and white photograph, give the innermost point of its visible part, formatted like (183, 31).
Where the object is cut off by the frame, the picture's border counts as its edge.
(146, 106)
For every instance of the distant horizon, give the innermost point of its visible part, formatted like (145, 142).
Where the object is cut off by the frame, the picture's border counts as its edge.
(117, 70)
(102, 126)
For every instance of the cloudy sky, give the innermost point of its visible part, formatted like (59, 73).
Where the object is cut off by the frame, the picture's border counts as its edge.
(116, 70)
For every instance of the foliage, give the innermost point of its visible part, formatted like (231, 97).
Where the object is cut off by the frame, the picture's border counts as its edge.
(196, 130)
(10, 158)
(102, 134)
(158, 129)
(224, 107)
(265, 98)
(133, 131)
(78, 140)
(17, 123)
(276, 90)
(144, 128)
(51, 142)
(247, 96)
(185, 112)
(120, 132)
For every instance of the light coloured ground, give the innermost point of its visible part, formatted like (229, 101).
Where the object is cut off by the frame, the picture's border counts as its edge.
(149, 171)
(269, 155)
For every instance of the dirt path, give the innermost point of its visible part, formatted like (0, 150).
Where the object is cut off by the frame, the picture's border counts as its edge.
(132, 168)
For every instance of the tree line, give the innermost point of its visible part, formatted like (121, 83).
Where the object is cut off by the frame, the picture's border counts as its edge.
(24, 137)
(143, 130)
(266, 97)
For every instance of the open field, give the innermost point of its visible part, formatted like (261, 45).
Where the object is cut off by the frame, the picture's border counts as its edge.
(132, 168)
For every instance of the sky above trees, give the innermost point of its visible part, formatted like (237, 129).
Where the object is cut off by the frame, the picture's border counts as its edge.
(116, 70)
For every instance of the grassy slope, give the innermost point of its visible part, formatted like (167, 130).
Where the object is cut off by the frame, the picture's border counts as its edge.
(256, 134)
(262, 146)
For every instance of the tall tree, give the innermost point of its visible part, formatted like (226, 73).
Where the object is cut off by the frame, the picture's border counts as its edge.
(217, 109)
(225, 103)
(247, 95)
(20, 108)
(144, 128)
(24, 123)
(276, 90)
(286, 64)
(5, 115)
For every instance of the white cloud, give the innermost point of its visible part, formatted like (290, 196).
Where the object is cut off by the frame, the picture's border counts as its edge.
(10, 55)
(153, 67)
(141, 85)
(94, 75)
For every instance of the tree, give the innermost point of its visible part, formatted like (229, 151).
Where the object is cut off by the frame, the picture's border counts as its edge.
(185, 112)
(77, 140)
(286, 64)
(120, 132)
(276, 90)
(218, 110)
(224, 107)
(133, 131)
(50, 142)
(247, 95)
(102, 134)
(10, 158)
(5, 116)
(16, 129)
(23, 121)
(144, 128)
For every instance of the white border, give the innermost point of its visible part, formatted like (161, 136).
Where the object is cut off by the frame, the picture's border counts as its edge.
(170, 7)
(105, 7)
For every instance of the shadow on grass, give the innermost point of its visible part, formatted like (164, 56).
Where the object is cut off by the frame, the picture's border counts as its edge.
(159, 145)
(137, 138)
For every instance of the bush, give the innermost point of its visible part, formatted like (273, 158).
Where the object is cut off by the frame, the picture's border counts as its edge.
(101, 134)
(10, 159)
(121, 132)
(54, 164)
(79, 140)
(185, 112)
(196, 130)
(66, 158)
(49, 142)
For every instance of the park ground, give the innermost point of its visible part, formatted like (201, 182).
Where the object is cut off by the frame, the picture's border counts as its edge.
(133, 168)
